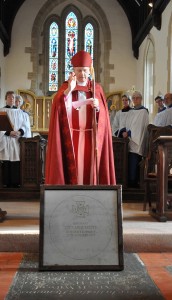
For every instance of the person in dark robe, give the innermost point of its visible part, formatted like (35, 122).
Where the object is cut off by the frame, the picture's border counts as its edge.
(79, 141)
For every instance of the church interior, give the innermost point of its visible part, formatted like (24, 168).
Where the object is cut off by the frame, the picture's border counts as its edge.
(131, 47)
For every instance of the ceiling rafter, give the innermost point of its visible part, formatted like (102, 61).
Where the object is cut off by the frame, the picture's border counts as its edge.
(141, 18)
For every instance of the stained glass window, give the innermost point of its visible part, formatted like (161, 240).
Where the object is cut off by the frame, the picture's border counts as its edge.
(89, 39)
(53, 57)
(71, 44)
(59, 54)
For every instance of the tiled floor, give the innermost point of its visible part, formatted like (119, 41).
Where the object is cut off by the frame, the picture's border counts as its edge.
(156, 264)
(9, 262)
(139, 228)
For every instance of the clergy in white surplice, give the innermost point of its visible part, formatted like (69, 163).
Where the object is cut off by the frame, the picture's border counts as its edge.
(136, 130)
(118, 124)
(164, 118)
(9, 144)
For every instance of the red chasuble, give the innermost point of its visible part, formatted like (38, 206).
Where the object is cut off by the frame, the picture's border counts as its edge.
(62, 153)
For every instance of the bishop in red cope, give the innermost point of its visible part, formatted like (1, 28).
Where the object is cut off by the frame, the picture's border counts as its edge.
(80, 141)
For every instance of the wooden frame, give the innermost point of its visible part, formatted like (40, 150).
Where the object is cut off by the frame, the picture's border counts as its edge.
(153, 182)
(81, 228)
(162, 212)
(38, 108)
(114, 101)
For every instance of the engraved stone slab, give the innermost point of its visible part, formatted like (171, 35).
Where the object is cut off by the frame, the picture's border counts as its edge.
(80, 228)
(133, 283)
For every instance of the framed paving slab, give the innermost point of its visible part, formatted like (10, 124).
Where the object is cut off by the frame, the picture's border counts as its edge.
(81, 228)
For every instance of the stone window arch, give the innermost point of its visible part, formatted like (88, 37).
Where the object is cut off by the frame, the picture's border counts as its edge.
(60, 21)
(38, 47)
(149, 62)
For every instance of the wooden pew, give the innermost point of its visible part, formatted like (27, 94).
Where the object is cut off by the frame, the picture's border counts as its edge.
(32, 161)
(157, 175)
(120, 149)
(32, 168)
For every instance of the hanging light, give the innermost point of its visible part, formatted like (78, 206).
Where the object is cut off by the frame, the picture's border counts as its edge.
(150, 3)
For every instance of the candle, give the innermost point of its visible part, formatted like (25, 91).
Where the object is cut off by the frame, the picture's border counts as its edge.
(37, 115)
(37, 110)
(48, 110)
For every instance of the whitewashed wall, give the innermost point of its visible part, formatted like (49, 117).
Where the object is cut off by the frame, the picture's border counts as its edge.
(161, 40)
(2, 74)
(121, 52)
(18, 63)
(127, 70)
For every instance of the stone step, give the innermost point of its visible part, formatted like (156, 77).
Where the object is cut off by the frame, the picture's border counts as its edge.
(19, 232)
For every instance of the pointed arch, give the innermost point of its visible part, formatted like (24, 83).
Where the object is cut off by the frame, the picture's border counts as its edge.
(95, 54)
(72, 33)
(50, 71)
(149, 62)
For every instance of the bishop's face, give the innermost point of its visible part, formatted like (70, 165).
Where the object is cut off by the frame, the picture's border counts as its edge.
(82, 73)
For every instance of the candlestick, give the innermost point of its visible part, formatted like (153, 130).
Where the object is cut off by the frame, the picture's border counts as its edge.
(37, 115)
(37, 109)
(48, 110)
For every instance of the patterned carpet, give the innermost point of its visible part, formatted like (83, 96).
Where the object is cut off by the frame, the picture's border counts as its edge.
(133, 283)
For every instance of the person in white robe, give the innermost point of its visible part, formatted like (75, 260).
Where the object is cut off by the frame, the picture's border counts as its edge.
(9, 144)
(164, 118)
(118, 125)
(136, 130)
(19, 103)
(159, 100)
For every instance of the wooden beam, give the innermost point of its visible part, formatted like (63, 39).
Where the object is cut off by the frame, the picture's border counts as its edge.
(4, 38)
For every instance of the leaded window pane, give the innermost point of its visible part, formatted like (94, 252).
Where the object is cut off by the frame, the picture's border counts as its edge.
(89, 39)
(53, 57)
(71, 44)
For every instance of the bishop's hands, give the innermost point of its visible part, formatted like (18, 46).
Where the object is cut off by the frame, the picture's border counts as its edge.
(71, 86)
(95, 103)
(71, 83)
